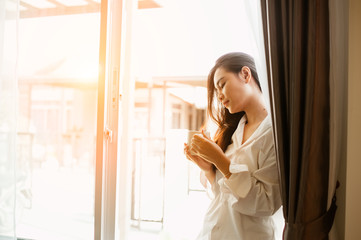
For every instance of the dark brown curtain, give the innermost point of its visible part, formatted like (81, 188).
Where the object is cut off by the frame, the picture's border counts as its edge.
(297, 52)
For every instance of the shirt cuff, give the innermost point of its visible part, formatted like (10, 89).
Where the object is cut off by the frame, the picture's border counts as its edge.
(240, 181)
(213, 188)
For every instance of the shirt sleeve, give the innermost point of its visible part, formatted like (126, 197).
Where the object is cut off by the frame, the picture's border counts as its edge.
(213, 189)
(256, 192)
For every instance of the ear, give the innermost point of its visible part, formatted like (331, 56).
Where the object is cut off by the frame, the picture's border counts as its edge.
(245, 73)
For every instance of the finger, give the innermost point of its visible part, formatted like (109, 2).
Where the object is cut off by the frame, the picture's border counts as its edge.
(192, 158)
(189, 148)
(186, 153)
(186, 150)
(197, 138)
(204, 134)
(193, 148)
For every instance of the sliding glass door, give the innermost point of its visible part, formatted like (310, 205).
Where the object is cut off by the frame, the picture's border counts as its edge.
(57, 76)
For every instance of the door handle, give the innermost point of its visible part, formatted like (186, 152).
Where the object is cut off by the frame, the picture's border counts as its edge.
(108, 134)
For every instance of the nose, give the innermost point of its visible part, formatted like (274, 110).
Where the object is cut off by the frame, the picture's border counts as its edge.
(220, 96)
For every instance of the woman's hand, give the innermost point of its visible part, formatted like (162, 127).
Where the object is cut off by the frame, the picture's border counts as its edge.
(209, 151)
(205, 166)
(202, 164)
(204, 147)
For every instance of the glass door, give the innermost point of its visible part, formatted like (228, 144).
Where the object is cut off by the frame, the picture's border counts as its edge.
(57, 110)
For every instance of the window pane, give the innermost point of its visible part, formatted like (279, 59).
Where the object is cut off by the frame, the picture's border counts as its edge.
(58, 62)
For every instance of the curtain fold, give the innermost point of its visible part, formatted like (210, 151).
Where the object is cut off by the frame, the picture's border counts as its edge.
(338, 97)
(297, 53)
(8, 100)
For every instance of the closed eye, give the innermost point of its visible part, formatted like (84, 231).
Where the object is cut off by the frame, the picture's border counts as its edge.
(221, 85)
(219, 88)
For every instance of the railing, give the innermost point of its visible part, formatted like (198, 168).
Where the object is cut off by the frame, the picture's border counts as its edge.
(148, 176)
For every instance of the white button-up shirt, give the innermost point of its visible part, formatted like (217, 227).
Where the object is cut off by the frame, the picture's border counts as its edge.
(243, 204)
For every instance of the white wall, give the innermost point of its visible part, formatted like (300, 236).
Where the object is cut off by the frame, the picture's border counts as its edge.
(353, 166)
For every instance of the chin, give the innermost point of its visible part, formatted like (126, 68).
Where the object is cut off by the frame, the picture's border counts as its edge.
(233, 111)
(230, 111)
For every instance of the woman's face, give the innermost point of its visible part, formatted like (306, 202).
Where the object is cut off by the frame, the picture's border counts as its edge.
(232, 89)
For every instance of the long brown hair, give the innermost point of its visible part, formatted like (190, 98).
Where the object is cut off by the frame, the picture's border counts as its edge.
(227, 122)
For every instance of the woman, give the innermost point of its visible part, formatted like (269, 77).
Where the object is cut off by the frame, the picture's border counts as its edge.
(240, 164)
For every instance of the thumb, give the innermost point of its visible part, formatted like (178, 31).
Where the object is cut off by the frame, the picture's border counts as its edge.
(204, 134)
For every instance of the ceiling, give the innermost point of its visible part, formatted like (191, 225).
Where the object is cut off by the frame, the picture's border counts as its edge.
(46, 8)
